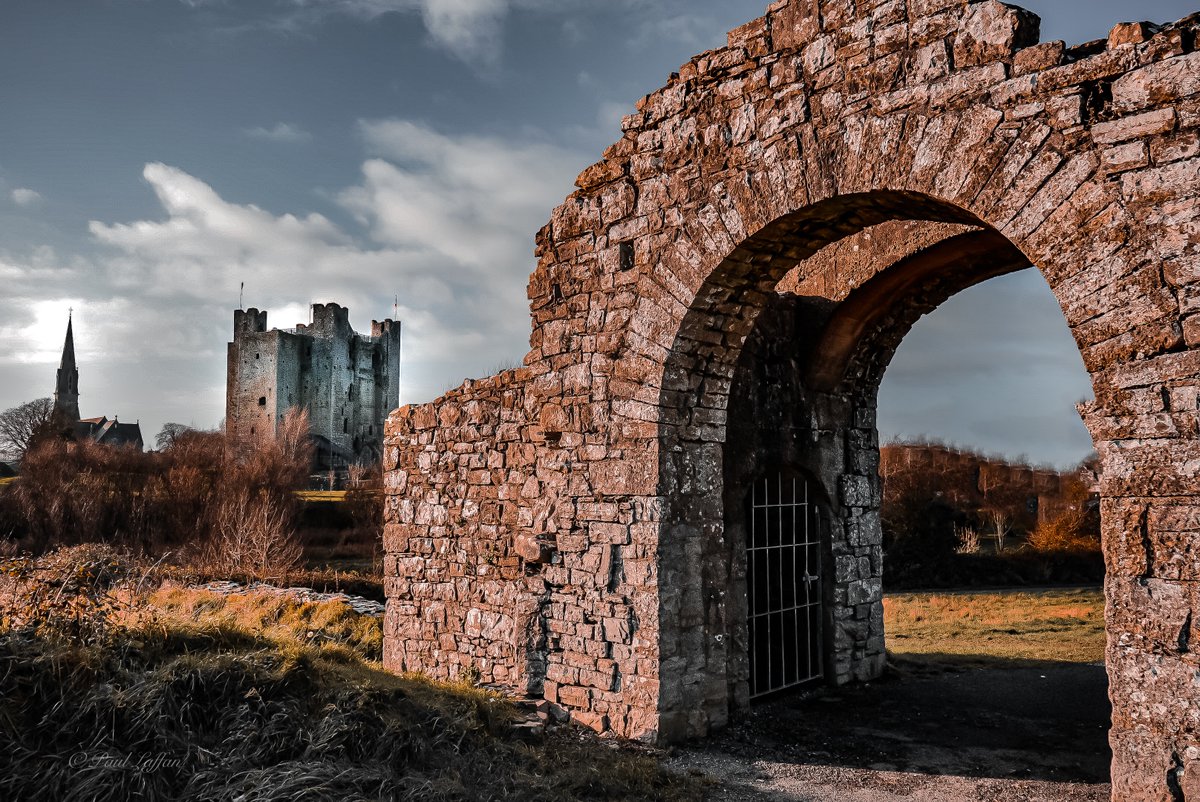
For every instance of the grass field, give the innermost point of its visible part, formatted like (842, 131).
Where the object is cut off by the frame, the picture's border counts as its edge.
(321, 495)
(1023, 627)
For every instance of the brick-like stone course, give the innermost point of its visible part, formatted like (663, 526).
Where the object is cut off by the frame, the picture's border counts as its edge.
(567, 529)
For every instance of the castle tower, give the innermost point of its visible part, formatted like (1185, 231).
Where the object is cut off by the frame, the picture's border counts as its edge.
(347, 382)
(66, 389)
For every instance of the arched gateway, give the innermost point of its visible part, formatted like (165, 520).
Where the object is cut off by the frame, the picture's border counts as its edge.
(715, 307)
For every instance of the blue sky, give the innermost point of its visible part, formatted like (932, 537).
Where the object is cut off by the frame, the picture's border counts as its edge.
(156, 153)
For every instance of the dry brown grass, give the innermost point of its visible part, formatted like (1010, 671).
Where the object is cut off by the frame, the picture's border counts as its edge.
(321, 495)
(190, 695)
(330, 627)
(1025, 627)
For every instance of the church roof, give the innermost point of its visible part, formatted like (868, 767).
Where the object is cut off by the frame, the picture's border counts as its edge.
(110, 432)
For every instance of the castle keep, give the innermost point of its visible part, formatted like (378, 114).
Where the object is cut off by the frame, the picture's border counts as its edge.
(346, 381)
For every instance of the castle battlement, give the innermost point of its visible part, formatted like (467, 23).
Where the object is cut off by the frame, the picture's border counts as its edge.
(348, 382)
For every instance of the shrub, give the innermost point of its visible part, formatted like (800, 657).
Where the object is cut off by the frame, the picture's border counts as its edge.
(968, 540)
(1075, 529)
(74, 594)
(198, 496)
(1065, 534)
(254, 533)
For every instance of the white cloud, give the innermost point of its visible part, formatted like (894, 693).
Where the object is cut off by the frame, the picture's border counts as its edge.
(469, 29)
(448, 226)
(25, 197)
(476, 200)
(280, 132)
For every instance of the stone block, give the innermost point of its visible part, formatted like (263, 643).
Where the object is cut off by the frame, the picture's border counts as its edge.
(855, 491)
(1157, 84)
(1128, 33)
(1038, 57)
(1148, 123)
(992, 31)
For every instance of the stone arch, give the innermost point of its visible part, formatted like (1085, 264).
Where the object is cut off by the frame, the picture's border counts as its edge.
(806, 399)
(544, 525)
(842, 347)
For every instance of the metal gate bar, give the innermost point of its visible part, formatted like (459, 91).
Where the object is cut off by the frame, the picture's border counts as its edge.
(783, 583)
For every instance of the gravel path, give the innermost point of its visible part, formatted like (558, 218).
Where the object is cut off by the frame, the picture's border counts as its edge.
(736, 780)
(926, 734)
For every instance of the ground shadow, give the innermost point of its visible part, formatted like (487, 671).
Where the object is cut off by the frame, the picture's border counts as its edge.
(953, 715)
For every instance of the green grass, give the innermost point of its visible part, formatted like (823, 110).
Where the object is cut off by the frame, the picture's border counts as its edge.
(1023, 627)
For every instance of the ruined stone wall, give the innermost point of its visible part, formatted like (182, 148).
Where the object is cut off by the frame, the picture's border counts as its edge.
(450, 564)
(819, 121)
(489, 571)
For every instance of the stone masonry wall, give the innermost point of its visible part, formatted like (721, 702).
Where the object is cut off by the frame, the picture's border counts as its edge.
(486, 576)
(821, 120)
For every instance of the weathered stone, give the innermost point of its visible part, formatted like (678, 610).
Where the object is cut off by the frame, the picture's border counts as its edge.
(1157, 84)
(992, 31)
(1128, 33)
(1136, 127)
(1038, 58)
(892, 155)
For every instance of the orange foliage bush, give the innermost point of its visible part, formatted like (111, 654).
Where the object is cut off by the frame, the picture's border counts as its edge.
(1075, 530)
(197, 495)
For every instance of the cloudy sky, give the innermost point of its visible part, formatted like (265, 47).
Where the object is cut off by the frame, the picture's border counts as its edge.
(154, 154)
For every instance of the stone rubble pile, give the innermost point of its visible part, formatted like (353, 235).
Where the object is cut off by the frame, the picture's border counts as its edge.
(359, 604)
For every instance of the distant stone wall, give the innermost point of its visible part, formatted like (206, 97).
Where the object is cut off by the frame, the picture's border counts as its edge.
(823, 122)
(1044, 485)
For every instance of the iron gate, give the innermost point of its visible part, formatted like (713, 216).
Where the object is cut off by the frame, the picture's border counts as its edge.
(783, 581)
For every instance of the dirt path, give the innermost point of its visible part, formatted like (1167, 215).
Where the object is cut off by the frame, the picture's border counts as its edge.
(924, 734)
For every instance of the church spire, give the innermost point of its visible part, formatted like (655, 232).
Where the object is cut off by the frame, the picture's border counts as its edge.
(66, 389)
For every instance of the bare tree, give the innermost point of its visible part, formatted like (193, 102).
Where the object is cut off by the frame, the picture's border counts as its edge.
(253, 534)
(1001, 525)
(24, 425)
(170, 434)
